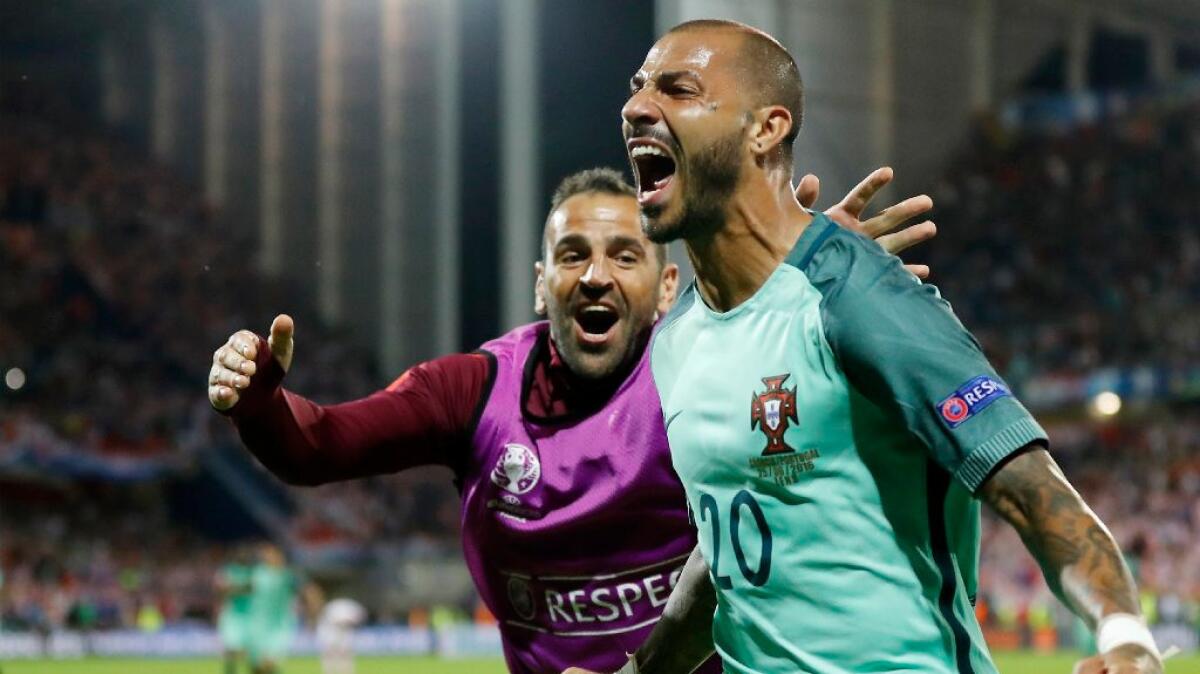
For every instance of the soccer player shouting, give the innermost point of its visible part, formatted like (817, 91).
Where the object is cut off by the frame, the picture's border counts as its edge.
(574, 524)
(833, 423)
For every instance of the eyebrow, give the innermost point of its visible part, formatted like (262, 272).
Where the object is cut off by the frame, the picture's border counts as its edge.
(626, 242)
(570, 241)
(639, 78)
(620, 241)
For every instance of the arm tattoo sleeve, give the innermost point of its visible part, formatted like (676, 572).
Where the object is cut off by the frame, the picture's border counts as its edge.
(1078, 556)
(682, 640)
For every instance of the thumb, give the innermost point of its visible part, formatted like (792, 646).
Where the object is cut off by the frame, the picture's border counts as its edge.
(807, 190)
(281, 340)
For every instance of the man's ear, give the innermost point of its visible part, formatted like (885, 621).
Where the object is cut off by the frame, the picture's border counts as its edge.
(772, 125)
(668, 286)
(539, 289)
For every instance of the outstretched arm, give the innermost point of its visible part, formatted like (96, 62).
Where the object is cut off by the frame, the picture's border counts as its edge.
(420, 419)
(682, 639)
(900, 345)
(1078, 556)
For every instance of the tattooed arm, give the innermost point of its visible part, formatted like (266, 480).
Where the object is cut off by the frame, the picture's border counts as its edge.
(682, 639)
(1078, 556)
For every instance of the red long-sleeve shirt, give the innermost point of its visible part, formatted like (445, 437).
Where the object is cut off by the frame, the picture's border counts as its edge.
(424, 417)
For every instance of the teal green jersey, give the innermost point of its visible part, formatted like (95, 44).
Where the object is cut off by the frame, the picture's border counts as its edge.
(236, 579)
(233, 622)
(273, 599)
(830, 432)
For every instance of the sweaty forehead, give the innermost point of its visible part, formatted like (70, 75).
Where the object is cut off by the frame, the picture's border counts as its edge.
(600, 215)
(702, 51)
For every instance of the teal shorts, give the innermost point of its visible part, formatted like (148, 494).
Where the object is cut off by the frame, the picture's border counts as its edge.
(271, 643)
(234, 630)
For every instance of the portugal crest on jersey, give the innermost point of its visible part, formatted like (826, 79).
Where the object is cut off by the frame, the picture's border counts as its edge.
(771, 411)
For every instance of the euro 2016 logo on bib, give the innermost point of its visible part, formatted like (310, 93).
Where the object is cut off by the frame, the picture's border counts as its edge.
(518, 469)
(771, 410)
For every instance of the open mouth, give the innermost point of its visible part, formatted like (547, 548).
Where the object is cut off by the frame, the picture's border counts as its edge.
(655, 169)
(594, 323)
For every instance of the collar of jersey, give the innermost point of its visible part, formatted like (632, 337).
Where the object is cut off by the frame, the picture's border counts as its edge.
(810, 239)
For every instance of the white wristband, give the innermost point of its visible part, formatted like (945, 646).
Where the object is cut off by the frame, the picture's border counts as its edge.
(630, 667)
(1119, 629)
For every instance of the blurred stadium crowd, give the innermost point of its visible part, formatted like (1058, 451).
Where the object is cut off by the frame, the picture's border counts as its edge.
(87, 564)
(1064, 252)
(1077, 250)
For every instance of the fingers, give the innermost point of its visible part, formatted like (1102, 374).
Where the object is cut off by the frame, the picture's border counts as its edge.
(921, 271)
(222, 397)
(893, 216)
(858, 198)
(908, 237)
(807, 190)
(219, 374)
(223, 384)
(245, 343)
(233, 365)
(228, 357)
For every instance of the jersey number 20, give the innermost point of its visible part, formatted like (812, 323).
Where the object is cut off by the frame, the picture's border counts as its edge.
(709, 513)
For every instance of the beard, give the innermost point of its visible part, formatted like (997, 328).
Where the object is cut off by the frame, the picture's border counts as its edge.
(712, 177)
(594, 362)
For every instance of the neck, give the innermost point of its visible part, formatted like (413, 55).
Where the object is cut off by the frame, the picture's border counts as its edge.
(556, 392)
(763, 221)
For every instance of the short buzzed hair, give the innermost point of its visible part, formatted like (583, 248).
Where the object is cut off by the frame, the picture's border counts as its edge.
(599, 180)
(770, 69)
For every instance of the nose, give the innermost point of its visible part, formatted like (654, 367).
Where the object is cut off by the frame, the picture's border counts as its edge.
(597, 276)
(640, 109)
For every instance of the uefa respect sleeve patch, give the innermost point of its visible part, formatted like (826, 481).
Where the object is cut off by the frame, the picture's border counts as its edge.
(970, 399)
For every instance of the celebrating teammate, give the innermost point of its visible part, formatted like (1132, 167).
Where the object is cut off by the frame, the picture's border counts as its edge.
(553, 431)
(233, 621)
(273, 618)
(833, 423)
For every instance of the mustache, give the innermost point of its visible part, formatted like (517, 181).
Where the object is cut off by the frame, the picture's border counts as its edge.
(643, 130)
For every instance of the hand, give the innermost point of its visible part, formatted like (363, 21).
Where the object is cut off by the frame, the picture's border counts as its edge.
(1127, 659)
(233, 363)
(577, 670)
(848, 211)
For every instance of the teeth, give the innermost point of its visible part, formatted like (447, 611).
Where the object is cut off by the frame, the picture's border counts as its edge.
(595, 309)
(640, 150)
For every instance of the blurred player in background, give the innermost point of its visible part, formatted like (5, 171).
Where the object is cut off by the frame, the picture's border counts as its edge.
(838, 507)
(335, 634)
(273, 612)
(233, 619)
(553, 431)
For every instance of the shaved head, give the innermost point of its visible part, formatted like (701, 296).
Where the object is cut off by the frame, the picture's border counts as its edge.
(767, 66)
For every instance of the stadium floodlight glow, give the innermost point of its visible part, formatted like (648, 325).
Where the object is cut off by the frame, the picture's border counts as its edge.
(1106, 403)
(15, 378)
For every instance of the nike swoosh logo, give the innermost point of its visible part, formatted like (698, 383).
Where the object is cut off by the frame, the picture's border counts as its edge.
(672, 418)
